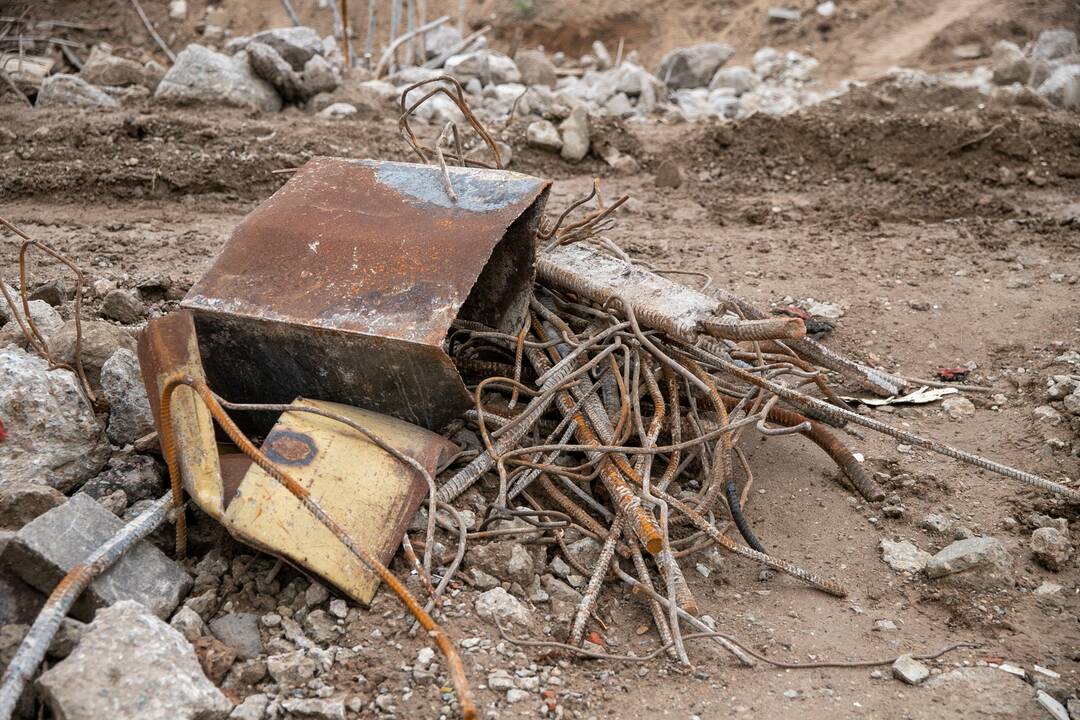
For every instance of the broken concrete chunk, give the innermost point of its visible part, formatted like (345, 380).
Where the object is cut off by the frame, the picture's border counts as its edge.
(575, 134)
(1009, 63)
(535, 68)
(240, 631)
(129, 409)
(910, 670)
(139, 476)
(903, 556)
(53, 435)
(1052, 548)
(104, 68)
(45, 318)
(131, 666)
(694, 66)
(291, 669)
(253, 708)
(189, 624)
(61, 89)
(201, 75)
(983, 558)
(123, 306)
(49, 547)
(315, 708)
(488, 67)
(100, 340)
(542, 134)
(296, 45)
(19, 504)
(497, 604)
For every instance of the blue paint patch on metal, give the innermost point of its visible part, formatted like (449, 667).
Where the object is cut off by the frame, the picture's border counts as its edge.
(477, 190)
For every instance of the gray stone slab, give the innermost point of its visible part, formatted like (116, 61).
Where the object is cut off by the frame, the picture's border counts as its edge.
(47, 548)
(131, 666)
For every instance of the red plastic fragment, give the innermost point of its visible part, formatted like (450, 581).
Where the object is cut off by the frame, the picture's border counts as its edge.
(3, 433)
(955, 374)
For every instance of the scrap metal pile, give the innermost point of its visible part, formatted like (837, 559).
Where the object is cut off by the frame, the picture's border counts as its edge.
(370, 310)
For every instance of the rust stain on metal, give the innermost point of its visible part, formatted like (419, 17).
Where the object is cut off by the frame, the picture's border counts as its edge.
(344, 283)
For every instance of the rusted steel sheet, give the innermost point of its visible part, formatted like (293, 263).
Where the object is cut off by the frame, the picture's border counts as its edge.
(370, 493)
(344, 283)
(168, 346)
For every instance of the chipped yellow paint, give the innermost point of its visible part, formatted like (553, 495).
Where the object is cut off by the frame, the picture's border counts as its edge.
(365, 489)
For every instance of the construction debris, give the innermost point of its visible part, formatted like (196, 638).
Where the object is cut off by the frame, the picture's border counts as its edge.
(150, 669)
(388, 354)
(58, 541)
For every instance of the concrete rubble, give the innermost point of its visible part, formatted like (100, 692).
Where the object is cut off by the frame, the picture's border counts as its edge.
(243, 623)
(150, 669)
(45, 549)
(53, 436)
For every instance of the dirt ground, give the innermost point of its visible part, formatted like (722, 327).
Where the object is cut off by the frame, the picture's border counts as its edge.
(947, 227)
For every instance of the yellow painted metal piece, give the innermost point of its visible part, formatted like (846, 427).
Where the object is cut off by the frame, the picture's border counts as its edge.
(369, 492)
(167, 347)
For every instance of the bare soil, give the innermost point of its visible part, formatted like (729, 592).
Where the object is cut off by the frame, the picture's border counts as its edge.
(883, 202)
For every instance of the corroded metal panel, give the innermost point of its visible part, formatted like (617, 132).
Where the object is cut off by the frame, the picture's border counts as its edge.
(344, 283)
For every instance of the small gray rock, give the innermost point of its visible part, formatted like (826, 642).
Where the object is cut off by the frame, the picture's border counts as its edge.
(543, 135)
(53, 292)
(982, 558)
(131, 666)
(575, 134)
(315, 708)
(488, 67)
(499, 604)
(958, 407)
(47, 548)
(1054, 44)
(1009, 63)
(139, 476)
(1052, 548)
(130, 417)
(321, 627)
(240, 631)
(291, 669)
(100, 340)
(71, 90)
(104, 68)
(19, 504)
(296, 45)
(936, 523)
(739, 78)
(535, 68)
(1062, 87)
(67, 637)
(253, 708)
(123, 306)
(338, 111)
(903, 556)
(316, 594)
(694, 66)
(53, 434)
(201, 75)
(188, 623)
(910, 670)
(45, 318)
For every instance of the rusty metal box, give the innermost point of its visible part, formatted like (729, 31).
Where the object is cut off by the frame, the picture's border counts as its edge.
(342, 285)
